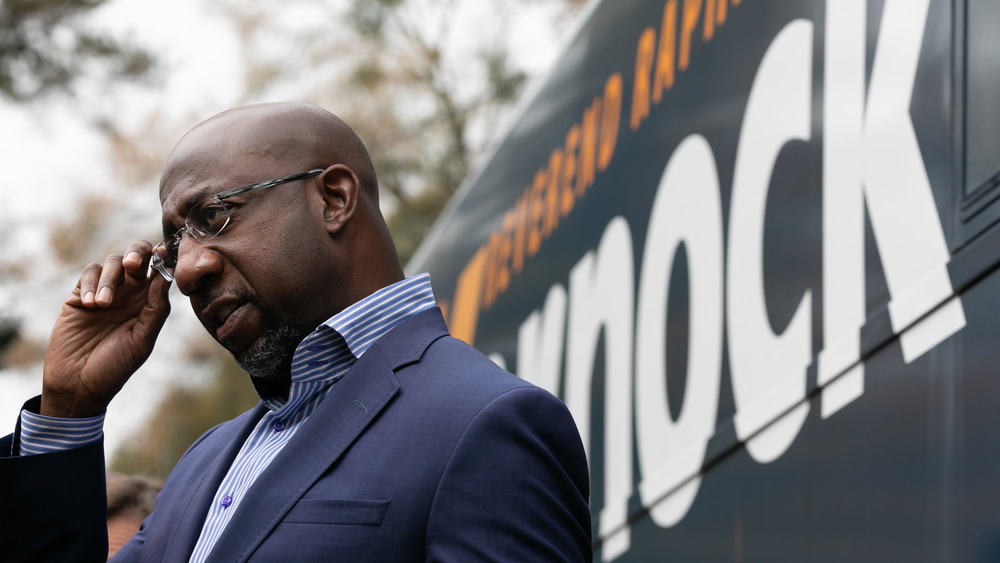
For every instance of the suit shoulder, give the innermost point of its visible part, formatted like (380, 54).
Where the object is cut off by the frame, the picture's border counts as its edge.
(452, 368)
(462, 357)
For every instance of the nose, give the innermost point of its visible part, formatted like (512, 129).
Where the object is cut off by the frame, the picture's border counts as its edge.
(196, 262)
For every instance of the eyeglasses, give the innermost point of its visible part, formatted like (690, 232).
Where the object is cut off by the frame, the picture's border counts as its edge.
(206, 221)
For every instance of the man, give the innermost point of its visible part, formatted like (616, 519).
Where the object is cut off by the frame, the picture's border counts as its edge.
(379, 437)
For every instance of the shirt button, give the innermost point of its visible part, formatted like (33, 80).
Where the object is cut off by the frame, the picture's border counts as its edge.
(278, 426)
(226, 501)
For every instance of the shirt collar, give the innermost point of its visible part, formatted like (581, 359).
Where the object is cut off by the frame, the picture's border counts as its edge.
(366, 321)
(327, 353)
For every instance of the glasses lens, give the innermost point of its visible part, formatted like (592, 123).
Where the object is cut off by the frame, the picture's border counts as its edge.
(207, 219)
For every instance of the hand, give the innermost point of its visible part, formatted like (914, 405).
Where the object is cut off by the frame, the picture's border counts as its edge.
(106, 330)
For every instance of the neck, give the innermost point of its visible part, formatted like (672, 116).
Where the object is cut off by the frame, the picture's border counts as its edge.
(272, 387)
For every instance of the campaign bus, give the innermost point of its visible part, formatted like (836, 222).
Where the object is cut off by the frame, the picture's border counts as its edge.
(753, 245)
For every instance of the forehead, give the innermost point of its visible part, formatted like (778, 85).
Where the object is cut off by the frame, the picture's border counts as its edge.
(178, 197)
(232, 149)
(187, 182)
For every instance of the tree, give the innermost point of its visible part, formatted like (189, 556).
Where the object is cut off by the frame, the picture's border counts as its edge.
(426, 83)
(425, 92)
(46, 47)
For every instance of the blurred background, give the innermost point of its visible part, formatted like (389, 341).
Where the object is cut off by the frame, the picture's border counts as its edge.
(94, 93)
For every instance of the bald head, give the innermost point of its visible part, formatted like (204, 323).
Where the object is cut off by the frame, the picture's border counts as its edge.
(292, 135)
(303, 251)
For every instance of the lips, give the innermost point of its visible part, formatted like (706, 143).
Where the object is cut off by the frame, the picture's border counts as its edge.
(228, 330)
(223, 313)
(232, 322)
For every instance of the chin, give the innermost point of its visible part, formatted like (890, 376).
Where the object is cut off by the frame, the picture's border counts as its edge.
(270, 357)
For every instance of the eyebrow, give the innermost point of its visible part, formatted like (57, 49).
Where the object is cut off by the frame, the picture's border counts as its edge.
(190, 200)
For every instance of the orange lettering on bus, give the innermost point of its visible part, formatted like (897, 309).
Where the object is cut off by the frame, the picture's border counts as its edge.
(709, 30)
(552, 194)
(692, 9)
(588, 149)
(720, 11)
(497, 274)
(569, 170)
(610, 118)
(535, 212)
(502, 261)
(640, 86)
(465, 306)
(490, 271)
(521, 227)
(664, 77)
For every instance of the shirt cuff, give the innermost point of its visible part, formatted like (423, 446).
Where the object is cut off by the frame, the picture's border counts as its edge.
(44, 434)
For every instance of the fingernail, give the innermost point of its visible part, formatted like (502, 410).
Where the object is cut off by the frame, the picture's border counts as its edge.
(133, 257)
(104, 294)
(88, 297)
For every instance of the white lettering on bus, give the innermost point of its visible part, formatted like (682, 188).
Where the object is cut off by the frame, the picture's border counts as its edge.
(687, 209)
(768, 370)
(601, 300)
(870, 156)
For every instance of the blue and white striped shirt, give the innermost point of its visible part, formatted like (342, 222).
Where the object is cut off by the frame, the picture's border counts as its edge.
(320, 360)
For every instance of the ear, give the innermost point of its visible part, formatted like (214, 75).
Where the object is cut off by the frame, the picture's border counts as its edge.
(341, 191)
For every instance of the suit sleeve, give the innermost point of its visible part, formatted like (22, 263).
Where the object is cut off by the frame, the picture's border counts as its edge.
(516, 487)
(54, 505)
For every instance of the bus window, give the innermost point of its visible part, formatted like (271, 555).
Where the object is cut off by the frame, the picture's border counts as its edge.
(982, 96)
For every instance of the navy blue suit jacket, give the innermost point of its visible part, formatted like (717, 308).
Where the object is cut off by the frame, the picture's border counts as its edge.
(425, 450)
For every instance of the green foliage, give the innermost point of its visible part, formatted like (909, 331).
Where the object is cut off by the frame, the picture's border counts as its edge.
(45, 47)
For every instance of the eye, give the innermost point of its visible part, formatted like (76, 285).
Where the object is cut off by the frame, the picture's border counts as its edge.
(208, 219)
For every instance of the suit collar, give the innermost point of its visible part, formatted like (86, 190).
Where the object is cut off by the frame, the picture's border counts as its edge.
(188, 519)
(329, 431)
(406, 343)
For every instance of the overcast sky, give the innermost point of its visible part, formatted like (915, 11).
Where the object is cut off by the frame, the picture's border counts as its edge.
(49, 154)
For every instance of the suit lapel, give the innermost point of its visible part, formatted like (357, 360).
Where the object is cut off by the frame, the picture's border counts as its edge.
(188, 514)
(337, 422)
(342, 416)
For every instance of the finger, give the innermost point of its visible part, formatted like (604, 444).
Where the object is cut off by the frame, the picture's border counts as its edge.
(111, 275)
(154, 314)
(88, 284)
(136, 260)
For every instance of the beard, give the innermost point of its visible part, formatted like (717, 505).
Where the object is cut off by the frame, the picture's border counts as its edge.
(268, 362)
(271, 356)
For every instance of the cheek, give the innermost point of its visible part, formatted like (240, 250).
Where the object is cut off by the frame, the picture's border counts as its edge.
(284, 267)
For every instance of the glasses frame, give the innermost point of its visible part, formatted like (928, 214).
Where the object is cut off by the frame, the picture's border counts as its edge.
(159, 264)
